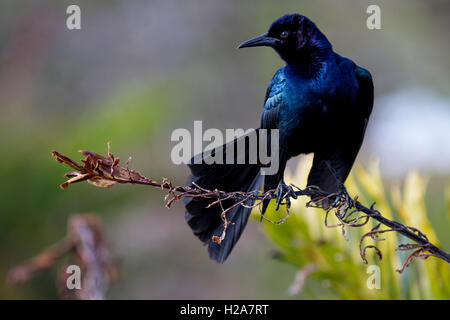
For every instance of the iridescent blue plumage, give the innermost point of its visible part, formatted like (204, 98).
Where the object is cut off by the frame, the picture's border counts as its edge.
(320, 102)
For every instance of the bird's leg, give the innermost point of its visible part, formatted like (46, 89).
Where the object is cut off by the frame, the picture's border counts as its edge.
(285, 191)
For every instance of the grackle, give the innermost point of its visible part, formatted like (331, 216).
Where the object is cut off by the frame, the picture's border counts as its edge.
(319, 101)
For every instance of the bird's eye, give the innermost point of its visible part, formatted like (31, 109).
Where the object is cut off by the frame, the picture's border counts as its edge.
(284, 34)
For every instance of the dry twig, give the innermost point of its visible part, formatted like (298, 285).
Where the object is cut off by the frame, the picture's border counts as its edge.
(104, 172)
(86, 244)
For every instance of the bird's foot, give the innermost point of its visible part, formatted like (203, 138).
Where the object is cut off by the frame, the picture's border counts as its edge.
(284, 192)
(343, 202)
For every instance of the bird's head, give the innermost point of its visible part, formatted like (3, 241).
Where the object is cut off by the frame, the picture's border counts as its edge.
(294, 37)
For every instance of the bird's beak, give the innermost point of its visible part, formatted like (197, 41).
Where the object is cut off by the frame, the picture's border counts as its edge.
(261, 41)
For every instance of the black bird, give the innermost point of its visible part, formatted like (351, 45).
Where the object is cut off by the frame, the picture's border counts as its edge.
(320, 102)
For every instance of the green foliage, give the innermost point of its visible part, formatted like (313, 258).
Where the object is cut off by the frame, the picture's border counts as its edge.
(34, 209)
(324, 255)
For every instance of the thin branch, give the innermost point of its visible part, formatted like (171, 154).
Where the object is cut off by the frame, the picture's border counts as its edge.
(86, 245)
(105, 172)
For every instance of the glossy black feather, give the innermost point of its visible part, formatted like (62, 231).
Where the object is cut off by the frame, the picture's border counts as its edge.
(320, 102)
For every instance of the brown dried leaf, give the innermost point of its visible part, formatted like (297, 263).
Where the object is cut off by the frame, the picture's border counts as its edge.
(100, 171)
(63, 159)
(76, 177)
(101, 182)
(109, 168)
(216, 239)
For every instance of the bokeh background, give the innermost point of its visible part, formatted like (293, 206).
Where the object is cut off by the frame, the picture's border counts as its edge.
(137, 70)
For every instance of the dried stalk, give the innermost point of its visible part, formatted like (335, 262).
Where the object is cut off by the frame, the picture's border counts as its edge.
(86, 245)
(104, 172)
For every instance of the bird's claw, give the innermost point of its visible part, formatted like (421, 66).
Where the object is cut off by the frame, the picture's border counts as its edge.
(284, 191)
(343, 197)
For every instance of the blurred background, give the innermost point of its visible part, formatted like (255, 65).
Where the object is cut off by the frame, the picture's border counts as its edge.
(137, 70)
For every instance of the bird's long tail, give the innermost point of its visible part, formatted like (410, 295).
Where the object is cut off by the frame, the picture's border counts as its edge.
(206, 222)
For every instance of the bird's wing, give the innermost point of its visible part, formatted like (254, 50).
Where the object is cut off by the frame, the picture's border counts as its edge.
(269, 120)
(331, 167)
(273, 101)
